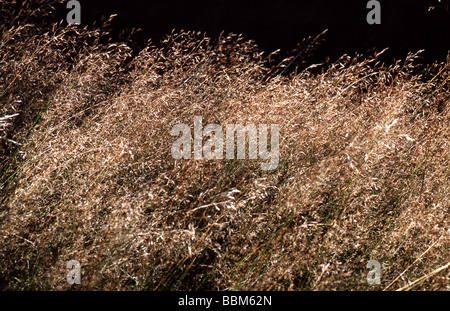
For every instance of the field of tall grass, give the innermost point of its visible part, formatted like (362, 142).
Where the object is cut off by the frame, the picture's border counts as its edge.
(86, 171)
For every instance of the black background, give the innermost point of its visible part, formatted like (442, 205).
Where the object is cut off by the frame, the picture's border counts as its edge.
(406, 25)
(169, 300)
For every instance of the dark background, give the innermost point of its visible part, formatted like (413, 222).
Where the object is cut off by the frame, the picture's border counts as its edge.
(406, 25)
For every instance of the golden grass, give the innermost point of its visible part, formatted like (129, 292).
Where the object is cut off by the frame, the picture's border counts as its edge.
(363, 174)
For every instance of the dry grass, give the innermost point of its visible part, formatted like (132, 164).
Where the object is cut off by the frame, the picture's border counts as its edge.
(363, 174)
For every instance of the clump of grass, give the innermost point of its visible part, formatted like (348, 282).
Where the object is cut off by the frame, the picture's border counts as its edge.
(363, 172)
